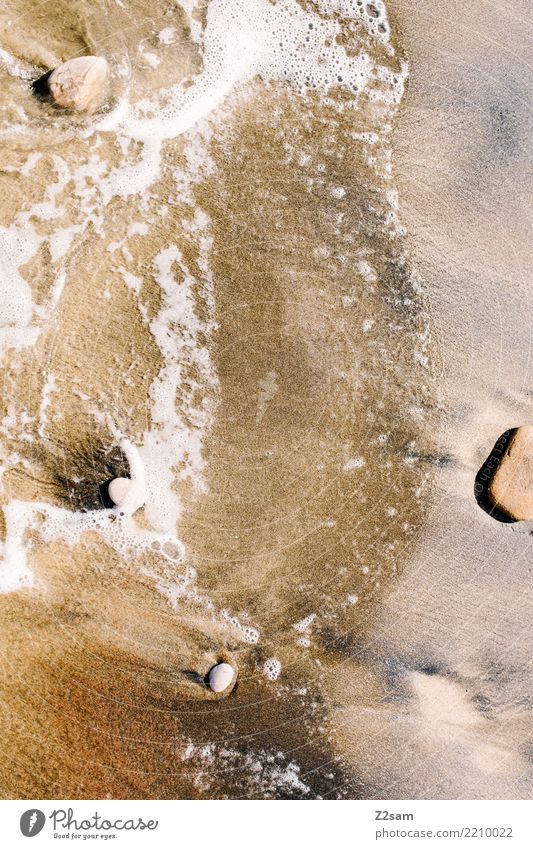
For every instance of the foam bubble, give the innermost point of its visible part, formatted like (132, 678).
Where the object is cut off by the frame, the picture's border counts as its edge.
(355, 463)
(268, 770)
(304, 624)
(272, 668)
(167, 35)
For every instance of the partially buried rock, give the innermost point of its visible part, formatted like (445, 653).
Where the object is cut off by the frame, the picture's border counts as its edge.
(118, 489)
(511, 488)
(77, 84)
(221, 677)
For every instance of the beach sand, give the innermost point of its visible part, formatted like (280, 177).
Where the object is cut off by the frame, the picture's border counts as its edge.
(303, 314)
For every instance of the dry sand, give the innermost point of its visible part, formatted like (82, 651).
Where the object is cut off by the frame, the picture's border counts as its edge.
(332, 431)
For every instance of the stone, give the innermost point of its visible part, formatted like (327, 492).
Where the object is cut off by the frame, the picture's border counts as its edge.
(511, 487)
(221, 677)
(78, 84)
(118, 490)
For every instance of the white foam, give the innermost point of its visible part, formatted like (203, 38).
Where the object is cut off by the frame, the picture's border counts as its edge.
(265, 769)
(249, 634)
(49, 387)
(190, 7)
(136, 495)
(116, 527)
(367, 271)
(354, 463)
(30, 163)
(21, 320)
(17, 247)
(338, 192)
(173, 445)
(272, 668)
(167, 35)
(278, 42)
(242, 39)
(132, 281)
(151, 58)
(304, 624)
(16, 67)
(15, 573)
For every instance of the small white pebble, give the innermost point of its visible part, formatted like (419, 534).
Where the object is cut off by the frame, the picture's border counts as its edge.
(118, 490)
(221, 676)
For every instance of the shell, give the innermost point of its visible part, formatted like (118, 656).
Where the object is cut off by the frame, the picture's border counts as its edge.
(118, 490)
(221, 677)
(78, 84)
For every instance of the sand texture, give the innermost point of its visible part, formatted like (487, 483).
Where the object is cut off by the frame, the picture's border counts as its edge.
(285, 288)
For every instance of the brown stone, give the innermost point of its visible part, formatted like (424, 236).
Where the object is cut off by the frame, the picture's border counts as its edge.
(511, 488)
(78, 84)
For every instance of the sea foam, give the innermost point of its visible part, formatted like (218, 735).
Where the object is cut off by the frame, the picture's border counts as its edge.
(240, 40)
(278, 42)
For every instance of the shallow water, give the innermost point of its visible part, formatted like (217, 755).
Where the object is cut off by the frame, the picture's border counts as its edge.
(210, 284)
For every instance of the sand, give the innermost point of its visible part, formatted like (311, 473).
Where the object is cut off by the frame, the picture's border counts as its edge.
(308, 356)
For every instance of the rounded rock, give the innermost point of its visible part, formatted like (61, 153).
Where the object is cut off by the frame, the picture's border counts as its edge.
(78, 84)
(118, 490)
(221, 677)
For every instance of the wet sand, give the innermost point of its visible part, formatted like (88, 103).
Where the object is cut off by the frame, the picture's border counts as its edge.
(341, 379)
